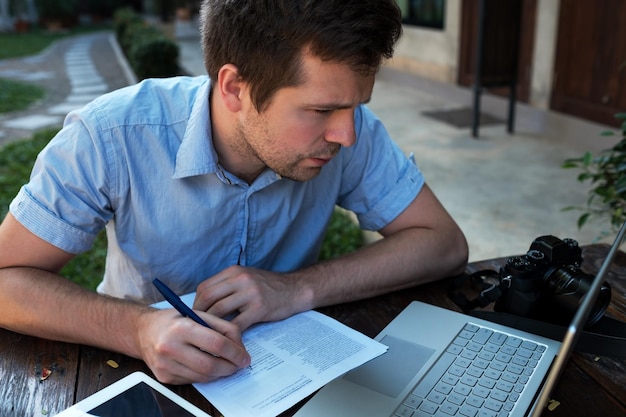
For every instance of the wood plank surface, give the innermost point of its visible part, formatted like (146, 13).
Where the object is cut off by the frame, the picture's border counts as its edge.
(23, 361)
(96, 373)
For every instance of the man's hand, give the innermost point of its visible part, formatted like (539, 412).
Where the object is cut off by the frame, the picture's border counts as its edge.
(247, 295)
(180, 351)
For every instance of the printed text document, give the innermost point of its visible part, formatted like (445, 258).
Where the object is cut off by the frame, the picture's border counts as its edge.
(291, 359)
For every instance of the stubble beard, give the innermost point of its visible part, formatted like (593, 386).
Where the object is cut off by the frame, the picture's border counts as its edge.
(265, 149)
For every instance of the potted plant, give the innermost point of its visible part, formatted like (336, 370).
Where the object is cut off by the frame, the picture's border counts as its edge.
(183, 10)
(21, 11)
(55, 14)
(606, 173)
(165, 9)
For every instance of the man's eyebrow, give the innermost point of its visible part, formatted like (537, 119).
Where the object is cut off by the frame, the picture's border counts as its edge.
(338, 106)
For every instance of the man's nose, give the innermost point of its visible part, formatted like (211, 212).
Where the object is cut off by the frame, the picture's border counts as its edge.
(341, 128)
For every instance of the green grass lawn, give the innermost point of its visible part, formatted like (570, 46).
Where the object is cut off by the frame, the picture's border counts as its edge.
(15, 45)
(16, 95)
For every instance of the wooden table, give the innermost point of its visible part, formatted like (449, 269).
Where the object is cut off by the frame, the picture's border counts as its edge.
(590, 385)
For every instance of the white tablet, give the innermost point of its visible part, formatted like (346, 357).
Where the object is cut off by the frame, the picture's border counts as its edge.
(135, 395)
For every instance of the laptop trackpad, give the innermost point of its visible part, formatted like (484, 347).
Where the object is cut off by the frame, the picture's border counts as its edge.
(389, 373)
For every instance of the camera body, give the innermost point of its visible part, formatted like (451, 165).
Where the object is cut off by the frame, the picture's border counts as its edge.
(547, 283)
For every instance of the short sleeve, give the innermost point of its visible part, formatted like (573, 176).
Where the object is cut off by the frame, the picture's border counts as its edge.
(379, 181)
(66, 200)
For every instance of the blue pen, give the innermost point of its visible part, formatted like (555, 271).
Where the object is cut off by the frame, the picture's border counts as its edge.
(177, 303)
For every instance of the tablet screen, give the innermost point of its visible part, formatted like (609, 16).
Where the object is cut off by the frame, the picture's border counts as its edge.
(139, 400)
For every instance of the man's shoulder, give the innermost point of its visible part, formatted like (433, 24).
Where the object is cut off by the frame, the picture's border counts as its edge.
(170, 86)
(151, 101)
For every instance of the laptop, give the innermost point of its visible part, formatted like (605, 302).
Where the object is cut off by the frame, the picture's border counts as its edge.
(444, 363)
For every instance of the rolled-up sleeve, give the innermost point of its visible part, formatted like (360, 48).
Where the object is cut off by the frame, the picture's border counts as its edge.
(71, 204)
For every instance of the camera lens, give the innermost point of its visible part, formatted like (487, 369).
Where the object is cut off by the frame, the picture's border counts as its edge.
(569, 285)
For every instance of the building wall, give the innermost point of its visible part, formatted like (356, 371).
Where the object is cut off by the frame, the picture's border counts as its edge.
(429, 52)
(544, 53)
(434, 54)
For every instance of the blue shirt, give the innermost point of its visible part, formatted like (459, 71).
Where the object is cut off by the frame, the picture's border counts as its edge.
(140, 161)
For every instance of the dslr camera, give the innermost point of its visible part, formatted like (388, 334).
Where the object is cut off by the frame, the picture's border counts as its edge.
(547, 283)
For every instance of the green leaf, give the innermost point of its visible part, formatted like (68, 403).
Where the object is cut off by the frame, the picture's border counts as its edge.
(582, 220)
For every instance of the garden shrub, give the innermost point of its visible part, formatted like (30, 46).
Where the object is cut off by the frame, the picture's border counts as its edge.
(149, 51)
(152, 54)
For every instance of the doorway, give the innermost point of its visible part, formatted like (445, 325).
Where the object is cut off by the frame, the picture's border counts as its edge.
(590, 64)
(496, 32)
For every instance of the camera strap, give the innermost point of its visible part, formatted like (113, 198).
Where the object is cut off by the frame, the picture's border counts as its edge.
(484, 283)
(607, 337)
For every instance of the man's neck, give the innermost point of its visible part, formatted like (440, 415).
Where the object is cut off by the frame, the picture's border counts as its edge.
(234, 154)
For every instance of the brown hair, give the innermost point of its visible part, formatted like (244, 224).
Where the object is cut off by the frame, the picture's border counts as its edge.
(265, 39)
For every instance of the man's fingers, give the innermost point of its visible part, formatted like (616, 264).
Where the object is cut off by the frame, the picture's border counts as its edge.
(225, 342)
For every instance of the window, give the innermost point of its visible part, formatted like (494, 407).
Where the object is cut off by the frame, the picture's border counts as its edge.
(426, 13)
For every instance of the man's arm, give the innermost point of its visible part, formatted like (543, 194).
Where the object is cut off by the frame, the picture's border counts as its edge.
(35, 300)
(422, 244)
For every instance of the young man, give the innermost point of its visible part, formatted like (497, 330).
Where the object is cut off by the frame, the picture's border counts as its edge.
(225, 187)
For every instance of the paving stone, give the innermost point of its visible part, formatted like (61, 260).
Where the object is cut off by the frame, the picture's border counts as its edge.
(79, 61)
(36, 59)
(82, 71)
(36, 76)
(13, 73)
(77, 70)
(93, 79)
(33, 122)
(81, 98)
(27, 76)
(100, 88)
(65, 108)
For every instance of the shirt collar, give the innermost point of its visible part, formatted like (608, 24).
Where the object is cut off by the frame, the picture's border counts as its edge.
(196, 155)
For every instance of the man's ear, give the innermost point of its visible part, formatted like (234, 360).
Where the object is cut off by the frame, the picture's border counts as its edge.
(230, 87)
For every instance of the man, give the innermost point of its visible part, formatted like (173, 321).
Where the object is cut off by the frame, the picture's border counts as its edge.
(225, 187)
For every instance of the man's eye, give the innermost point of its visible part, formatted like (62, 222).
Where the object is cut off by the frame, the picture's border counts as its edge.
(322, 111)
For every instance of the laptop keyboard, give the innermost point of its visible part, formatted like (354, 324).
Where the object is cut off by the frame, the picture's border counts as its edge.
(482, 373)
